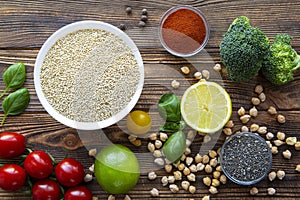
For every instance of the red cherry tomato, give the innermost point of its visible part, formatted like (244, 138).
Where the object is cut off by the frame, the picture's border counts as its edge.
(12, 177)
(78, 193)
(11, 144)
(38, 164)
(69, 172)
(45, 189)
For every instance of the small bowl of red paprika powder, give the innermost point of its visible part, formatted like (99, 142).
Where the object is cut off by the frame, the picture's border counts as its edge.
(183, 31)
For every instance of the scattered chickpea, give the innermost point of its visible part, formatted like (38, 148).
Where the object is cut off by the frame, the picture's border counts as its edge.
(144, 11)
(223, 179)
(241, 111)
(229, 124)
(213, 162)
(185, 185)
(158, 144)
(181, 166)
(152, 176)
(191, 135)
(280, 136)
(291, 141)
(254, 191)
(262, 130)
(93, 152)
(244, 129)
(144, 18)
(269, 136)
(164, 180)
(205, 74)
(212, 153)
(269, 144)
(91, 168)
(245, 118)
(274, 150)
(171, 179)
(208, 169)
(215, 182)
(198, 75)
(253, 112)
(262, 97)
(297, 168)
(157, 153)
(189, 160)
(191, 177)
(216, 174)
(217, 67)
(159, 161)
(200, 167)
(168, 168)
(278, 143)
(254, 127)
(198, 158)
(207, 181)
(177, 175)
(151, 147)
(258, 89)
(271, 191)
(192, 189)
(272, 175)
(185, 70)
(280, 174)
(128, 10)
(287, 154)
(174, 188)
(205, 159)
(111, 197)
(213, 190)
(281, 119)
(163, 137)
(175, 84)
(255, 101)
(183, 157)
(132, 138)
(186, 171)
(227, 131)
(219, 168)
(193, 168)
(297, 146)
(127, 197)
(206, 139)
(188, 143)
(153, 136)
(141, 24)
(88, 178)
(137, 142)
(154, 192)
(272, 110)
(206, 197)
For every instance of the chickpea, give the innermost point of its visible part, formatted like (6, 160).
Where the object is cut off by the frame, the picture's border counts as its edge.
(241, 111)
(255, 101)
(254, 191)
(253, 112)
(175, 84)
(185, 185)
(245, 118)
(205, 74)
(192, 189)
(154, 192)
(281, 119)
(217, 67)
(207, 181)
(291, 141)
(272, 176)
(287, 154)
(272, 110)
(258, 89)
(271, 191)
(185, 70)
(262, 97)
(198, 75)
(280, 174)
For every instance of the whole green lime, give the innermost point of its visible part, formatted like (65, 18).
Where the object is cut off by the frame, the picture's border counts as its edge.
(117, 169)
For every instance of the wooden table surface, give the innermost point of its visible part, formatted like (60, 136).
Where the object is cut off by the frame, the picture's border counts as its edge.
(25, 26)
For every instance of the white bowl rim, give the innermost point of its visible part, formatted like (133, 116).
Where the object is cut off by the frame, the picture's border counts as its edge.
(87, 24)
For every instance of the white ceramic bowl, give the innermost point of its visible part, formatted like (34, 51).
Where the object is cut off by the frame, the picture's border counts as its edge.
(69, 29)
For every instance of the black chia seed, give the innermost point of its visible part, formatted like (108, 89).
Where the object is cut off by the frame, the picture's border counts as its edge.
(246, 158)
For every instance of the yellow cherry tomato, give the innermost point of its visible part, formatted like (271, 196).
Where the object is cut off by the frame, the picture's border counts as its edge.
(138, 122)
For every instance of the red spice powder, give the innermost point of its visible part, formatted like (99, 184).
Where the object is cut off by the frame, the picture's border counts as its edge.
(183, 31)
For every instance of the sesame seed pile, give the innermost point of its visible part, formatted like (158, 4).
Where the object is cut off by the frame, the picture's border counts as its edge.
(89, 75)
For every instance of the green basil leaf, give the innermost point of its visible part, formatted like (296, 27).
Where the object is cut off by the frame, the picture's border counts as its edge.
(14, 77)
(15, 103)
(169, 108)
(172, 127)
(175, 146)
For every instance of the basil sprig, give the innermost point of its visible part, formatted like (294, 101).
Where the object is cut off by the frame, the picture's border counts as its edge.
(169, 110)
(14, 77)
(175, 146)
(15, 103)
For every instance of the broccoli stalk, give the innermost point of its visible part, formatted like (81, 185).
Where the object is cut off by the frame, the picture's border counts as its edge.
(281, 61)
(242, 50)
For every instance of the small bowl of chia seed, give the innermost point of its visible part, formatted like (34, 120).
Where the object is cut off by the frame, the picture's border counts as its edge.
(246, 158)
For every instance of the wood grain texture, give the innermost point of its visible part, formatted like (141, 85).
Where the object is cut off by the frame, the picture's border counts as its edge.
(25, 26)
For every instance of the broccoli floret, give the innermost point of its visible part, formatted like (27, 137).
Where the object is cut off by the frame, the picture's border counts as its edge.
(242, 49)
(281, 61)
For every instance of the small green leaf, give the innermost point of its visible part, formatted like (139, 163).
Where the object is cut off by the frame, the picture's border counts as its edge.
(175, 146)
(172, 127)
(14, 77)
(15, 103)
(169, 108)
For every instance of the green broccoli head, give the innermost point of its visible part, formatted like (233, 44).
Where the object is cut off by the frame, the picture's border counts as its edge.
(281, 61)
(242, 49)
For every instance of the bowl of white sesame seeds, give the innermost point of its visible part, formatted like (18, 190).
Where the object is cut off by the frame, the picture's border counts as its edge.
(89, 75)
